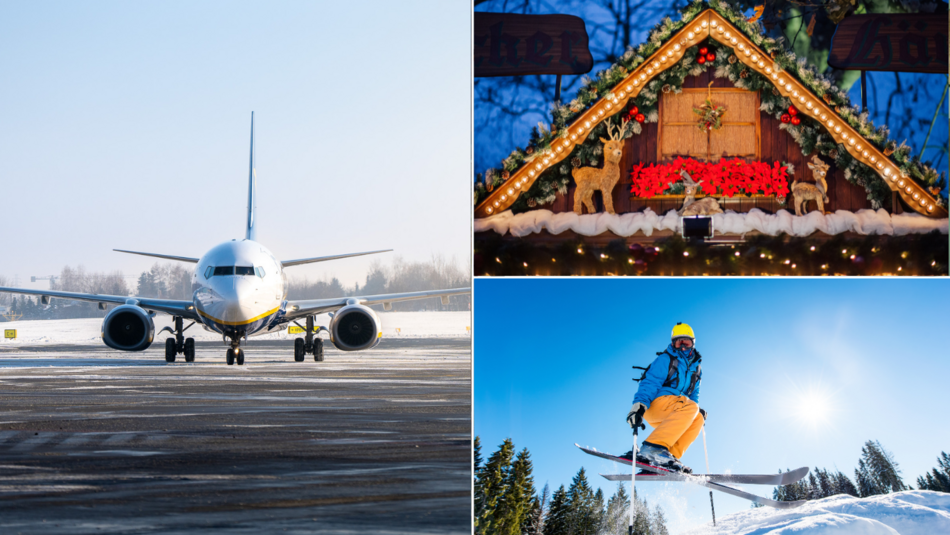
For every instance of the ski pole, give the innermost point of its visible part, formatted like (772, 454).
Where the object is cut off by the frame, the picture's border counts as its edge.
(633, 477)
(706, 451)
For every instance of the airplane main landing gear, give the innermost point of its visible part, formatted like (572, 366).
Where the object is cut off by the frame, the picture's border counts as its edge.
(179, 345)
(309, 344)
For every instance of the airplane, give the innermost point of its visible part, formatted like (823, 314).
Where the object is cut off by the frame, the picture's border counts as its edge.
(240, 290)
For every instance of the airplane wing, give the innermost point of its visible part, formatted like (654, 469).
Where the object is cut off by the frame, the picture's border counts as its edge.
(185, 309)
(299, 261)
(165, 256)
(309, 307)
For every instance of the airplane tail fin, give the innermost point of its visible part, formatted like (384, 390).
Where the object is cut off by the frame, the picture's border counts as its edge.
(251, 233)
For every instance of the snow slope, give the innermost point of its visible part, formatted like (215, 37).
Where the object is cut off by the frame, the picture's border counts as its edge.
(79, 331)
(913, 512)
(862, 222)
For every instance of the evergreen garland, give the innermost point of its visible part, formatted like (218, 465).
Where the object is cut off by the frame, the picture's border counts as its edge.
(810, 135)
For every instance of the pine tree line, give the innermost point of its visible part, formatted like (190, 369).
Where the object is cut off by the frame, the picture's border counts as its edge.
(400, 276)
(939, 478)
(507, 503)
(877, 473)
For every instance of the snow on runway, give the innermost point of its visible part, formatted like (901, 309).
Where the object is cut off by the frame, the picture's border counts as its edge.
(362, 441)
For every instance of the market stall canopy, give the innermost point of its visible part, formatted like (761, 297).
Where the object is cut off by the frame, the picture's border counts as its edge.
(711, 22)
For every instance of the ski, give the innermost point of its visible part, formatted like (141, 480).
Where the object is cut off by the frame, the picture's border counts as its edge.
(785, 478)
(698, 480)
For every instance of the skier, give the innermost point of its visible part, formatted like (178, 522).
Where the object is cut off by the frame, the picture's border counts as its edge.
(668, 399)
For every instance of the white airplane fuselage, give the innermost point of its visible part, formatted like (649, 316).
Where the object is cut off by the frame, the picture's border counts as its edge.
(239, 288)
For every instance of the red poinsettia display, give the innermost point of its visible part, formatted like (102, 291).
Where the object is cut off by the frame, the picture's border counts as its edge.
(725, 177)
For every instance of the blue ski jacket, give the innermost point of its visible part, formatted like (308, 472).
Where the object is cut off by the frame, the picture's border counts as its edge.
(675, 372)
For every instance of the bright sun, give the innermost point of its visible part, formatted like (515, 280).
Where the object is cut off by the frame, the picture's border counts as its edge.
(815, 407)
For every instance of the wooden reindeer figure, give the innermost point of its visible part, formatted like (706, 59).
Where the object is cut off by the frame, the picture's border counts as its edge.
(591, 179)
(817, 192)
(704, 206)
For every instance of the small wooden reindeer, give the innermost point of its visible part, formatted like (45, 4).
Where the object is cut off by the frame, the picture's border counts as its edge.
(591, 179)
(704, 206)
(817, 192)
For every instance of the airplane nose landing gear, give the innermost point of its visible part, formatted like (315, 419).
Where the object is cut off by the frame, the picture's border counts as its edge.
(235, 353)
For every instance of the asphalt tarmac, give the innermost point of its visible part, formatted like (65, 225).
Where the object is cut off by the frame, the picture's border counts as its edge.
(94, 440)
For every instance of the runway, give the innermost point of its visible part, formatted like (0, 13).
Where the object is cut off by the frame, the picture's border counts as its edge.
(93, 440)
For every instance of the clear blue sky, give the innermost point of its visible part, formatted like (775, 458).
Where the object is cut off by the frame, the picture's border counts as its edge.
(126, 125)
(795, 373)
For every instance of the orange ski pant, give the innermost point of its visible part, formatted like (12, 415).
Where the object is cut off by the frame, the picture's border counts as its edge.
(676, 421)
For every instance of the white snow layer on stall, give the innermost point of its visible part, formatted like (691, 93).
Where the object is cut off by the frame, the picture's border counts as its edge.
(862, 222)
(913, 512)
(87, 330)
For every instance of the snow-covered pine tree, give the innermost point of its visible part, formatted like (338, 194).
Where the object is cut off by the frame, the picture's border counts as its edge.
(658, 522)
(580, 501)
(615, 519)
(864, 482)
(641, 516)
(825, 484)
(490, 486)
(814, 491)
(539, 507)
(939, 478)
(882, 467)
(843, 485)
(557, 520)
(597, 510)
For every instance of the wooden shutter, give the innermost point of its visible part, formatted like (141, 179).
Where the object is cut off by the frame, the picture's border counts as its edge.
(679, 134)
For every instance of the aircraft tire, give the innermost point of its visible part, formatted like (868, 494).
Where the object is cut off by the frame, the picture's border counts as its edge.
(189, 349)
(299, 350)
(230, 357)
(240, 357)
(171, 350)
(318, 350)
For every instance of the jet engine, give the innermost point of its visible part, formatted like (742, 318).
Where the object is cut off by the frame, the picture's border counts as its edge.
(129, 328)
(355, 327)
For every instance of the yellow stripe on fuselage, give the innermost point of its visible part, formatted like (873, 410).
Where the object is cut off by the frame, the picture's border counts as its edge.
(238, 323)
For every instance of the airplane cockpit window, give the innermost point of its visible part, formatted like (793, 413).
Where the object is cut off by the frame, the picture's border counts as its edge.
(259, 271)
(223, 270)
(209, 271)
(242, 270)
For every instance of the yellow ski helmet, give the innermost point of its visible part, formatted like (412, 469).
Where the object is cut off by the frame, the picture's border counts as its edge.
(682, 330)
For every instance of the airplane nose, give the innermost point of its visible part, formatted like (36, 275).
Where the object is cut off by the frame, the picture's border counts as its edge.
(238, 297)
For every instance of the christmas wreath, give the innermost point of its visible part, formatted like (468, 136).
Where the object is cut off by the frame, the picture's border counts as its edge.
(710, 116)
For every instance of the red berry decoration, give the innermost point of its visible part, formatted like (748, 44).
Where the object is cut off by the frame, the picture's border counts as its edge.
(701, 60)
(796, 120)
(640, 118)
(634, 110)
(792, 110)
(703, 51)
(710, 57)
(786, 118)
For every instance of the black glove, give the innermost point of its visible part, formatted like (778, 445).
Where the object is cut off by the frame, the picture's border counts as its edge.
(635, 416)
(703, 412)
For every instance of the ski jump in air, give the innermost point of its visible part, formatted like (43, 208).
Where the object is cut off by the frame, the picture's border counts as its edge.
(668, 400)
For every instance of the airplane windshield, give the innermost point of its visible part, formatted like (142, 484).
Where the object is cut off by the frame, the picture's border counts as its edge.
(260, 272)
(241, 270)
(223, 270)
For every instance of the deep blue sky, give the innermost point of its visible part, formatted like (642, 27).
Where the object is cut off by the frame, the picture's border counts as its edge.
(795, 373)
(126, 125)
